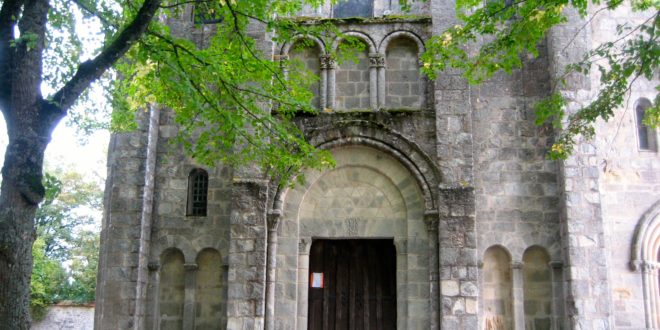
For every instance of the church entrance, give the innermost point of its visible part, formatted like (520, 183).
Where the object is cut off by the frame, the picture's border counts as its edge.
(352, 284)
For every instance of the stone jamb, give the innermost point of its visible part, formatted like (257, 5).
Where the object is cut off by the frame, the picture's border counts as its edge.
(273, 220)
(190, 282)
(557, 273)
(304, 247)
(518, 295)
(431, 219)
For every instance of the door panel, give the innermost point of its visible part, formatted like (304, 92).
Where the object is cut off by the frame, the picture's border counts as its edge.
(359, 290)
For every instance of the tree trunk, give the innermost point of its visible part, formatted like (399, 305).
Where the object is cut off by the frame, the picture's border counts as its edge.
(29, 125)
(30, 121)
(21, 191)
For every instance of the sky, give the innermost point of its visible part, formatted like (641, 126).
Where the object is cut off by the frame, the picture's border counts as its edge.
(69, 151)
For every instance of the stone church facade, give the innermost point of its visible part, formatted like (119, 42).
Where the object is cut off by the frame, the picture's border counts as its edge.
(442, 211)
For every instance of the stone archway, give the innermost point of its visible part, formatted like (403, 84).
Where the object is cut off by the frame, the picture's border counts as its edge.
(369, 194)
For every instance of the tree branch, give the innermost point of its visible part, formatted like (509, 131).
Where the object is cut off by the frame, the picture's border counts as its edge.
(91, 70)
(94, 12)
(8, 15)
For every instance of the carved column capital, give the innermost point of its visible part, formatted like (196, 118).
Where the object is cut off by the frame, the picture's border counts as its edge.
(556, 264)
(327, 62)
(517, 265)
(431, 220)
(273, 219)
(190, 267)
(376, 60)
(304, 245)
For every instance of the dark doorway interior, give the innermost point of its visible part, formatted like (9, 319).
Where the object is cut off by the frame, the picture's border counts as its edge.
(359, 284)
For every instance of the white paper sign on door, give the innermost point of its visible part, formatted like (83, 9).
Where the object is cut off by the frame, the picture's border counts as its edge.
(316, 280)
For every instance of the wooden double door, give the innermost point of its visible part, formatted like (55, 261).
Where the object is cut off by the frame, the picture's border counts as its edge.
(352, 284)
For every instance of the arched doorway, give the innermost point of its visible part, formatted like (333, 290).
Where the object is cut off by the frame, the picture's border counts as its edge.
(367, 199)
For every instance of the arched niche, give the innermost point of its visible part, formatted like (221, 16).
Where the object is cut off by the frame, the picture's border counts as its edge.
(537, 289)
(645, 258)
(353, 83)
(208, 290)
(497, 289)
(369, 194)
(171, 290)
(403, 86)
(304, 60)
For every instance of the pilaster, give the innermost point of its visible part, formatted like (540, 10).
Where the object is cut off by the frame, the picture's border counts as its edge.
(247, 254)
(458, 258)
(588, 301)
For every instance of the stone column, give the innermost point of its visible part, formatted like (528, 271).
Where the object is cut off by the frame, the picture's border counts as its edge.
(146, 219)
(375, 61)
(518, 295)
(331, 66)
(155, 306)
(283, 59)
(557, 277)
(651, 289)
(190, 283)
(431, 220)
(323, 89)
(271, 267)
(303, 282)
(458, 258)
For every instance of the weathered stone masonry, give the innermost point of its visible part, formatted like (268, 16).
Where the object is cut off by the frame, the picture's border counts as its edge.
(488, 233)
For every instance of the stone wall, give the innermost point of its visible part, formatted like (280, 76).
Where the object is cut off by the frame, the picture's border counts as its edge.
(405, 85)
(629, 183)
(120, 229)
(455, 174)
(65, 317)
(352, 80)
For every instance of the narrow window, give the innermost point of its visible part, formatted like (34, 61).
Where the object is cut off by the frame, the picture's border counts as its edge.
(646, 137)
(198, 185)
(353, 8)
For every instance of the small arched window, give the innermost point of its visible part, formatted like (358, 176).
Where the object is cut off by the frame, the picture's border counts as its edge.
(198, 186)
(646, 136)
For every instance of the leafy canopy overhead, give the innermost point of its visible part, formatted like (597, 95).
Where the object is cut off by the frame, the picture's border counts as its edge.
(502, 31)
(222, 78)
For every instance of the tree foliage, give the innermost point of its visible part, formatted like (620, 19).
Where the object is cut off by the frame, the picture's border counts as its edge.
(223, 94)
(66, 249)
(502, 31)
(66, 206)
